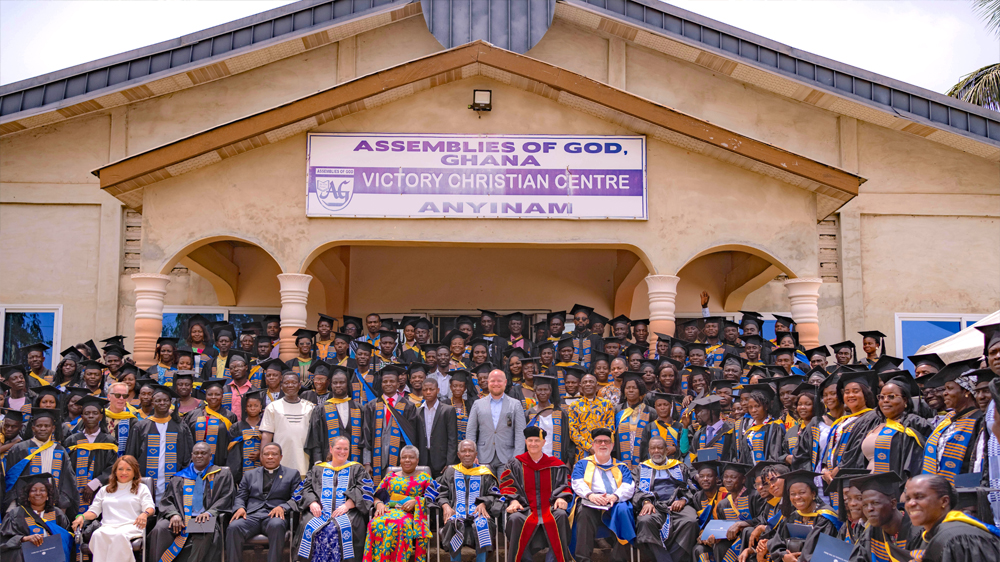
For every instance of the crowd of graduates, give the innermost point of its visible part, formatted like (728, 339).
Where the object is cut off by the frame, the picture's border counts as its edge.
(643, 440)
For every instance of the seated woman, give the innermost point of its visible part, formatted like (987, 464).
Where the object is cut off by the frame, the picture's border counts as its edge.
(800, 504)
(33, 518)
(124, 505)
(399, 530)
(949, 535)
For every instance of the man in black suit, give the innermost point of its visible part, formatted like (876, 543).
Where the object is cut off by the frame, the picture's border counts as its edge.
(263, 502)
(438, 430)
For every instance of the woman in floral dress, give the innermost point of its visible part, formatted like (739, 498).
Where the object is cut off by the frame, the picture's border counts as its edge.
(399, 531)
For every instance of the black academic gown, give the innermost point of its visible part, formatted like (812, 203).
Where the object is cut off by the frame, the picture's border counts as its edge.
(677, 485)
(312, 491)
(973, 413)
(405, 418)
(565, 450)
(906, 453)
(908, 538)
(803, 452)
(957, 541)
(727, 510)
(220, 490)
(98, 461)
(68, 496)
(775, 445)
(243, 439)
(34, 383)
(779, 542)
(850, 449)
(488, 496)
(536, 486)
(139, 438)
(647, 434)
(221, 448)
(15, 528)
(722, 442)
(320, 437)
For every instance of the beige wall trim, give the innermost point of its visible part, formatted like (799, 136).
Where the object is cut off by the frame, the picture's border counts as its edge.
(213, 145)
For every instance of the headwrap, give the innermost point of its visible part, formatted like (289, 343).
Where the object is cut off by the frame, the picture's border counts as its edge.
(968, 382)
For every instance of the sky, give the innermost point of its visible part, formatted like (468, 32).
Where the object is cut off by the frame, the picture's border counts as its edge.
(930, 43)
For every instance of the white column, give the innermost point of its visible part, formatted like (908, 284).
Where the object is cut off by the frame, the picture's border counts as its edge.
(662, 291)
(150, 289)
(294, 296)
(803, 293)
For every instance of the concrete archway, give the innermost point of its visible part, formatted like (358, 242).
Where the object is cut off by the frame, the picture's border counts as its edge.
(729, 273)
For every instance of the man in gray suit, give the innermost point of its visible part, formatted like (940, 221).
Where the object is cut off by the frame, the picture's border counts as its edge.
(496, 424)
(263, 505)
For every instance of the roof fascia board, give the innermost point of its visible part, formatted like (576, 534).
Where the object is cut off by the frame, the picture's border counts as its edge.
(184, 40)
(782, 48)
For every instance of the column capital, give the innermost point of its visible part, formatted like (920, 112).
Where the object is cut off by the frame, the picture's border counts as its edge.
(294, 281)
(294, 297)
(662, 282)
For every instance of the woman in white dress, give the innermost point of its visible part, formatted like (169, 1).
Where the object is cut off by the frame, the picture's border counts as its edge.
(125, 504)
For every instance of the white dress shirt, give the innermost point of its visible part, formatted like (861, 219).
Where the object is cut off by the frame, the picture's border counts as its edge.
(429, 412)
(624, 491)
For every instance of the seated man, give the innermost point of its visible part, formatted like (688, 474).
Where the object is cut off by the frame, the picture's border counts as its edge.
(263, 502)
(604, 487)
(467, 494)
(335, 501)
(667, 521)
(200, 492)
(889, 530)
(536, 485)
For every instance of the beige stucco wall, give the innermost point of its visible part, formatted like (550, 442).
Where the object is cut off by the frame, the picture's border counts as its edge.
(696, 202)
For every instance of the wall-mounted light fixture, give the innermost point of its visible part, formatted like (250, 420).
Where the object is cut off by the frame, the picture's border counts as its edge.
(482, 100)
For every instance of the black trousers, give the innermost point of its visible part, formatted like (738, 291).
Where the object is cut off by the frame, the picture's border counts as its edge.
(256, 523)
(587, 522)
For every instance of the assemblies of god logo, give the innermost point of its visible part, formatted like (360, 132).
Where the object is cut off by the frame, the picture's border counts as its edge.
(334, 187)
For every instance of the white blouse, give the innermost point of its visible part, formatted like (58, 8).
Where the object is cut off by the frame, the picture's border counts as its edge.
(122, 507)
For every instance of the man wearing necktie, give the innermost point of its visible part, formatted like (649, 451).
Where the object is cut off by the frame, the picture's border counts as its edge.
(605, 487)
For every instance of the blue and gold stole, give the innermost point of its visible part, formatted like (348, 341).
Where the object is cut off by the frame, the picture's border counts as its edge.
(122, 428)
(257, 377)
(709, 506)
(834, 456)
(882, 549)
(883, 442)
(825, 514)
(629, 435)
(619, 518)
(465, 505)
(582, 351)
(206, 428)
(954, 449)
(714, 354)
(719, 445)
(647, 470)
(756, 438)
(332, 498)
(331, 416)
(557, 422)
(251, 438)
(14, 472)
(463, 416)
(153, 450)
(165, 374)
(667, 433)
(325, 350)
(48, 526)
(85, 466)
(395, 435)
(188, 499)
(815, 433)
(739, 508)
(361, 389)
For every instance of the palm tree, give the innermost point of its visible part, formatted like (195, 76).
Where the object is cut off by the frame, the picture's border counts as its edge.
(982, 87)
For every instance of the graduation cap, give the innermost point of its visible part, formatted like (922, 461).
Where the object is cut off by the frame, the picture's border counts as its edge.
(575, 370)
(844, 480)
(94, 352)
(534, 431)
(843, 345)
(864, 378)
(159, 388)
(12, 414)
(320, 367)
(805, 388)
(91, 400)
(39, 413)
(565, 341)
(454, 334)
(735, 358)
(546, 345)
(483, 368)
(677, 365)
(223, 328)
(735, 467)
(887, 483)
(304, 333)
(545, 379)
(39, 346)
(555, 314)
(954, 370)
(128, 369)
(335, 369)
(416, 367)
(991, 336)
(724, 383)
(167, 340)
(354, 321)
(515, 352)
(782, 351)
(684, 323)
(115, 350)
(806, 477)
(902, 379)
(187, 375)
(114, 340)
(388, 334)
(42, 478)
(140, 383)
(613, 339)
(581, 308)
(429, 347)
(90, 364)
(601, 432)
(692, 346)
(460, 375)
(329, 319)
(237, 355)
(932, 359)
(409, 321)
(641, 322)
(821, 350)
(254, 328)
(751, 316)
(759, 467)
(876, 335)
(620, 319)
(764, 389)
(783, 320)
(365, 346)
(793, 380)
(72, 353)
(757, 370)
(672, 398)
(343, 337)
(543, 325)
(273, 365)
(388, 325)
(886, 363)
(183, 350)
(423, 324)
(198, 319)
(515, 317)
(983, 376)
(713, 403)
(8, 370)
(596, 356)
(713, 465)
(631, 376)
(781, 335)
(596, 318)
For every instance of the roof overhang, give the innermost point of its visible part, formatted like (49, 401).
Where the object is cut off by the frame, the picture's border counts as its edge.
(126, 178)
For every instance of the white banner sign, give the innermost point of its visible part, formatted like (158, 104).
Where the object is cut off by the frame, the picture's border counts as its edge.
(470, 176)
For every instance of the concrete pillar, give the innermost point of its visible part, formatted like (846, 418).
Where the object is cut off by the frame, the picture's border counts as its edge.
(662, 291)
(294, 295)
(804, 296)
(150, 288)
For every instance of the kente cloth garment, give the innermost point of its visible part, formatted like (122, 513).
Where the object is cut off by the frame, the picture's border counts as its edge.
(949, 449)
(629, 425)
(22, 521)
(823, 520)
(464, 489)
(586, 415)
(332, 487)
(398, 536)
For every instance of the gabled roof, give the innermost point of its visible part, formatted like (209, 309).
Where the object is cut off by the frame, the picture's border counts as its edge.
(126, 178)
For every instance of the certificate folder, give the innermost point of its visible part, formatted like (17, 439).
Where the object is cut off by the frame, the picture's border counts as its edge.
(206, 527)
(830, 549)
(50, 551)
(716, 528)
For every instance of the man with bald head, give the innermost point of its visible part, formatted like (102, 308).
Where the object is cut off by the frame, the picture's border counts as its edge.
(496, 424)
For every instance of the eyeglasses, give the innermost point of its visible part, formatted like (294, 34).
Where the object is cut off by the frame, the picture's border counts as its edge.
(118, 395)
(888, 397)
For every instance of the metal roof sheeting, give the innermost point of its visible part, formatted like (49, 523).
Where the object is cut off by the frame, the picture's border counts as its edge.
(819, 72)
(515, 25)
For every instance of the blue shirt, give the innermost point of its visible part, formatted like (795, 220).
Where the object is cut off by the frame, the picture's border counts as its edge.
(496, 404)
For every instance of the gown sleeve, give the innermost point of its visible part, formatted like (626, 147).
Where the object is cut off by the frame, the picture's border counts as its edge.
(12, 530)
